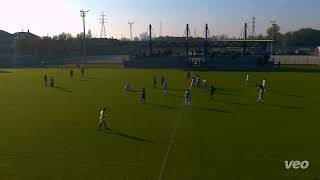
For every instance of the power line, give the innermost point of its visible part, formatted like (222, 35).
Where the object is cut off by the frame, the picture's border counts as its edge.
(253, 27)
(83, 15)
(103, 21)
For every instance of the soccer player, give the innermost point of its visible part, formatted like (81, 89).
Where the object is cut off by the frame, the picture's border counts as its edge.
(103, 120)
(212, 89)
(82, 72)
(162, 80)
(198, 81)
(187, 98)
(127, 87)
(143, 96)
(164, 87)
(51, 82)
(192, 83)
(205, 83)
(264, 85)
(247, 79)
(261, 93)
(71, 73)
(154, 82)
(188, 75)
(45, 77)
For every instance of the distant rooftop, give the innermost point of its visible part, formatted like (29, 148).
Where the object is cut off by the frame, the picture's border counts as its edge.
(5, 34)
(27, 34)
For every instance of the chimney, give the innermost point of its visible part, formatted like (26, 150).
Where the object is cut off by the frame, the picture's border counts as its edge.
(28, 31)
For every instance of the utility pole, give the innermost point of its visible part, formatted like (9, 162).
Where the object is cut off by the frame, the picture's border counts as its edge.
(103, 27)
(150, 39)
(131, 24)
(273, 23)
(83, 15)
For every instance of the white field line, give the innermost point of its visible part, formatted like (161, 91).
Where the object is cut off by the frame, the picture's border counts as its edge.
(169, 147)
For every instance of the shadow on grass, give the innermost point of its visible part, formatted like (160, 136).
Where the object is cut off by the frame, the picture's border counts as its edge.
(134, 91)
(223, 93)
(63, 89)
(283, 106)
(175, 95)
(161, 106)
(176, 90)
(212, 109)
(285, 94)
(5, 72)
(90, 77)
(234, 103)
(120, 134)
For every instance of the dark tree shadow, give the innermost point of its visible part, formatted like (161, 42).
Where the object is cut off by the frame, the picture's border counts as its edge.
(120, 134)
(5, 72)
(63, 89)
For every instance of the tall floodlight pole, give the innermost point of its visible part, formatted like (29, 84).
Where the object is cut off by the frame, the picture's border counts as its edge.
(273, 23)
(131, 24)
(187, 41)
(206, 42)
(83, 15)
(150, 39)
(245, 37)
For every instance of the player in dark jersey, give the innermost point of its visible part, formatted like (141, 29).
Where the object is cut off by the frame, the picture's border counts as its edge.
(212, 90)
(143, 96)
(45, 77)
(154, 82)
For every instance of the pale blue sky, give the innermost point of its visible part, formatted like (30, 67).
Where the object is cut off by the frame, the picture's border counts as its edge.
(52, 17)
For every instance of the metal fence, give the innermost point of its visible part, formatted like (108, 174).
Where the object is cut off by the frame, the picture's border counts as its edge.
(296, 60)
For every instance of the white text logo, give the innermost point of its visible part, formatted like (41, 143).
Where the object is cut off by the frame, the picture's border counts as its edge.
(296, 164)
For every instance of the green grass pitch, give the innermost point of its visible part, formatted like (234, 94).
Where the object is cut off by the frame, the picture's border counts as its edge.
(52, 133)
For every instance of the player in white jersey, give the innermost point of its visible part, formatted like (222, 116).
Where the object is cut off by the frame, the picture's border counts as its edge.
(247, 79)
(103, 120)
(205, 83)
(264, 85)
(187, 98)
(261, 95)
(164, 87)
(127, 87)
(193, 81)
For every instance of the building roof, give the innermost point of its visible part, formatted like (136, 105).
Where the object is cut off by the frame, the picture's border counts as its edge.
(5, 35)
(27, 34)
